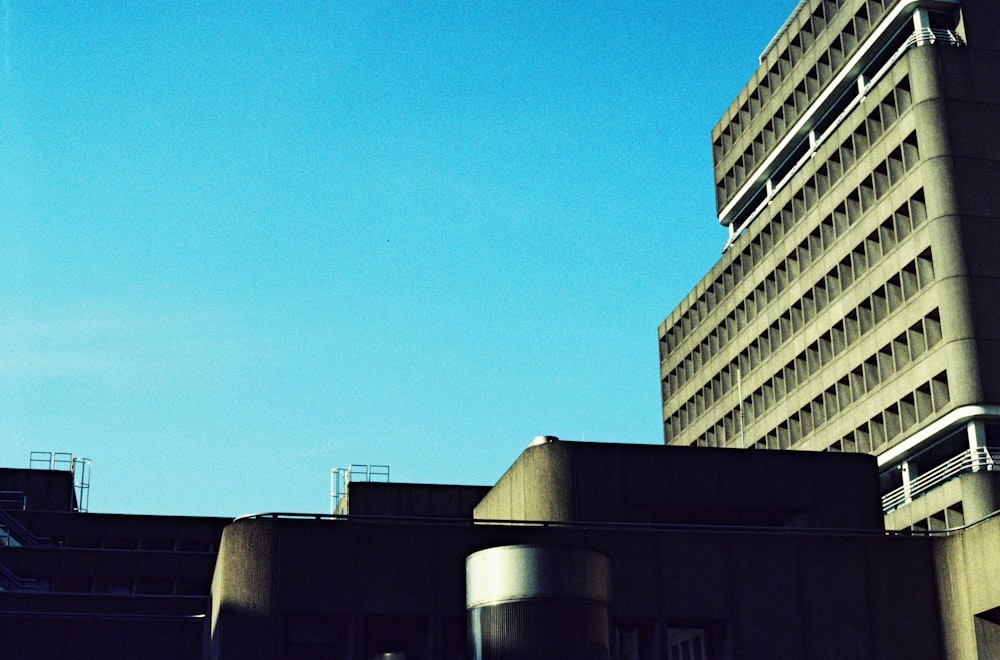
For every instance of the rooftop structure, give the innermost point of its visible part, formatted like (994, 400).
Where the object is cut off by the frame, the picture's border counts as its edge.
(625, 551)
(97, 585)
(659, 551)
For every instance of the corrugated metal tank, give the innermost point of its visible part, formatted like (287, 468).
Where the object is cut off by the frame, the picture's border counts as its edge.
(532, 601)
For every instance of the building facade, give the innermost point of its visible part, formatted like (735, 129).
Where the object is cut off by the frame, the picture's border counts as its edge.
(708, 554)
(634, 551)
(851, 311)
(98, 585)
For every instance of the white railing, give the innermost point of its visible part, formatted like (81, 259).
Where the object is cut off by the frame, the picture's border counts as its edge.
(51, 460)
(340, 479)
(970, 460)
(61, 460)
(13, 533)
(919, 37)
(925, 36)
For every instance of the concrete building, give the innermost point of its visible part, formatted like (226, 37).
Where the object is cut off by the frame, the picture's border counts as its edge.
(696, 554)
(95, 585)
(580, 550)
(852, 309)
(848, 318)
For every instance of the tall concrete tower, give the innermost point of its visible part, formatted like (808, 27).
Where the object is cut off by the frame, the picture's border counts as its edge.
(855, 306)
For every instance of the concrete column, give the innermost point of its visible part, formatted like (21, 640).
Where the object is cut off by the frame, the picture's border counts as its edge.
(921, 26)
(977, 439)
(980, 495)
(533, 601)
(909, 473)
(921, 20)
(977, 434)
(245, 607)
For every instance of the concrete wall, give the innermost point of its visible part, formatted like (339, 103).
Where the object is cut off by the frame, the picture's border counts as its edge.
(108, 586)
(44, 490)
(288, 587)
(97, 635)
(369, 498)
(571, 481)
(966, 566)
(767, 408)
(244, 612)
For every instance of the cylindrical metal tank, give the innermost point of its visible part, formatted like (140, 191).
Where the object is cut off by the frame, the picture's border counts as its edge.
(532, 601)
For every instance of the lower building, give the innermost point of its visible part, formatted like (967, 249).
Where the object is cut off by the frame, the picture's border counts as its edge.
(581, 550)
(639, 551)
(86, 585)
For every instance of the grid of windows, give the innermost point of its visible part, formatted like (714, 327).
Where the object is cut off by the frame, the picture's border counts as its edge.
(862, 137)
(918, 405)
(776, 67)
(780, 69)
(865, 255)
(876, 369)
(878, 431)
(812, 82)
(855, 326)
(779, 340)
(834, 164)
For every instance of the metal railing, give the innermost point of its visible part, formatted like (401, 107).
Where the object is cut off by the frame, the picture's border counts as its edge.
(340, 478)
(13, 533)
(51, 460)
(919, 37)
(11, 582)
(78, 466)
(926, 36)
(468, 521)
(970, 460)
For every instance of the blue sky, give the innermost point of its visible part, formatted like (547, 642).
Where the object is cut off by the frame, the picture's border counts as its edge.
(243, 243)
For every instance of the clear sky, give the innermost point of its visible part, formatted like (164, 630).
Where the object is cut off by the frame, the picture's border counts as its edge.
(242, 243)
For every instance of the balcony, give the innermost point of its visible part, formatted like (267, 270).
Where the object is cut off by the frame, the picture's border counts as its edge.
(970, 460)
